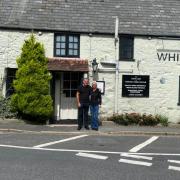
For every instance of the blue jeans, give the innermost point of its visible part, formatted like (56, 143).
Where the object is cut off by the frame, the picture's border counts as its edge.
(94, 116)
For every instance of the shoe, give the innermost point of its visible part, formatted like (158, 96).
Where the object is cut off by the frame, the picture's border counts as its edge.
(87, 128)
(79, 128)
(95, 129)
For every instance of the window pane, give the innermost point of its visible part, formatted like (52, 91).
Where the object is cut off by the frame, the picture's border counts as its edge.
(75, 52)
(58, 38)
(57, 45)
(62, 52)
(63, 39)
(70, 52)
(66, 85)
(70, 38)
(66, 76)
(75, 46)
(75, 76)
(58, 52)
(63, 45)
(70, 45)
(73, 93)
(74, 85)
(75, 39)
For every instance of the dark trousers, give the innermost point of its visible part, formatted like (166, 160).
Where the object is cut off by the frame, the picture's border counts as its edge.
(83, 115)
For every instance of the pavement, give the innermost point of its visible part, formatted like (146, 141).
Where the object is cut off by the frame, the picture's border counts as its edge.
(107, 128)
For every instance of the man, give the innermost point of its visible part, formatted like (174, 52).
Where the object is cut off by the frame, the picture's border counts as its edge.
(82, 97)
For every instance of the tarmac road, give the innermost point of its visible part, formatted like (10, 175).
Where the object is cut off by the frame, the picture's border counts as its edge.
(86, 156)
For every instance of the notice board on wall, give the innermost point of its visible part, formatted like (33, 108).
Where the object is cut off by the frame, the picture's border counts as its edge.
(135, 86)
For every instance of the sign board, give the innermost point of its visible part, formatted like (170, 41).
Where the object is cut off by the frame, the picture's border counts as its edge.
(101, 86)
(135, 86)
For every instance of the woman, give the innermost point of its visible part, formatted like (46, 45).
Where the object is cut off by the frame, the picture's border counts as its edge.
(95, 102)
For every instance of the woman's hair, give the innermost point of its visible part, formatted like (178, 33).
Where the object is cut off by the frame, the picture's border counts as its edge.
(94, 82)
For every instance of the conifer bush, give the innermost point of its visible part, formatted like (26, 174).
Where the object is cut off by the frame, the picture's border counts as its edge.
(31, 98)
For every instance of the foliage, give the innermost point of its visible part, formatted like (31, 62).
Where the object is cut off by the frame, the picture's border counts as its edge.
(162, 119)
(139, 119)
(31, 98)
(5, 108)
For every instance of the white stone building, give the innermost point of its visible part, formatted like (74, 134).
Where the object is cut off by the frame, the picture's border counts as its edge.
(140, 70)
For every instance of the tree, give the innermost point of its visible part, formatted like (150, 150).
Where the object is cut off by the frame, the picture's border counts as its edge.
(31, 98)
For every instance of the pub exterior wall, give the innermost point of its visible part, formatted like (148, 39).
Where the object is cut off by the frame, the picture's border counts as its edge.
(163, 97)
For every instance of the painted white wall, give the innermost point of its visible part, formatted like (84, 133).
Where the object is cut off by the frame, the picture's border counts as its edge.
(12, 42)
(163, 97)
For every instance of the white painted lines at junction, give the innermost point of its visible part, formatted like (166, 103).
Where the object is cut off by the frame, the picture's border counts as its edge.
(175, 168)
(142, 163)
(135, 162)
(142, 145)
(94, 156)
(60, 141)
(136, 156)
(135, 150)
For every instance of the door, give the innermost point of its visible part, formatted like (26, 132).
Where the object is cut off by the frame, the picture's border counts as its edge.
(69, 84)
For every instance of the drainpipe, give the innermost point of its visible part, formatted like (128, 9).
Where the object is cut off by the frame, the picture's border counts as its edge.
(116, 42)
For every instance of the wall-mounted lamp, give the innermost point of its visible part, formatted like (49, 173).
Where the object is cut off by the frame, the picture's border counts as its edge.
(94, 65)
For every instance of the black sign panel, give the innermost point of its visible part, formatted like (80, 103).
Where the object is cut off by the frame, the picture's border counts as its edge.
(135, 86)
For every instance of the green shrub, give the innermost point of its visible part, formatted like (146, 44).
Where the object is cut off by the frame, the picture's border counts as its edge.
(138, 119)
(163, 120)
(133, 118)
(119, 119)
(149, 120)
(5, 108)
(31, 98)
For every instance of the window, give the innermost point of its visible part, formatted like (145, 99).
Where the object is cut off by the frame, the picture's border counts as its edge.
(71, 81)
(66, 45)
(126, 48)
(10, 76)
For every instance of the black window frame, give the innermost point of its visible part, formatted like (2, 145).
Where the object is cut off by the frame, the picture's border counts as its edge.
(67, 45)
(125, 41)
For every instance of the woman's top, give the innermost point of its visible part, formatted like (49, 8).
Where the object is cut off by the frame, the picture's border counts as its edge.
(95, 97)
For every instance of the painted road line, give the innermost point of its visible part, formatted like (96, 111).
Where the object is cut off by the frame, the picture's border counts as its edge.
(60, 141)
(86, 151)
(142, 145)
(137, 156)
(174, 168)
(94, 156)
(174, 161)
(141, 163)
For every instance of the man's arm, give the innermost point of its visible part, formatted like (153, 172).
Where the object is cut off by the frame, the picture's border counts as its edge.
(77, 98)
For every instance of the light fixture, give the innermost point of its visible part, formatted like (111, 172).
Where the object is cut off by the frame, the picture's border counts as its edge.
(94, 65)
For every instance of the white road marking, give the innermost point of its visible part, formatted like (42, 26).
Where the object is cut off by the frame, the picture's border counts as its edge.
(86, 151)
(135, 162)
(142, 145)
(174, 168)
(92, 156)
(136, 156)
(174, 161)
(60, 141)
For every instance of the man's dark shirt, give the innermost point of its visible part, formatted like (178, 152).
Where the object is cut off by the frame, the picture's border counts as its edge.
(84, 93)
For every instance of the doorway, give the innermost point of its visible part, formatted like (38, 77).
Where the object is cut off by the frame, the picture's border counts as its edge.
(69, 83)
